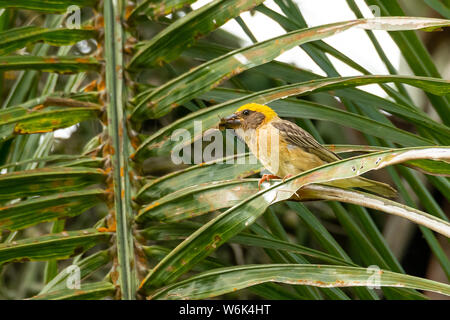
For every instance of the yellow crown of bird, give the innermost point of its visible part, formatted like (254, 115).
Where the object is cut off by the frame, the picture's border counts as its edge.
(265, 110)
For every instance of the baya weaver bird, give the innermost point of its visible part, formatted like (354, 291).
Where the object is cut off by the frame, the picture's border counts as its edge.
(285, 149)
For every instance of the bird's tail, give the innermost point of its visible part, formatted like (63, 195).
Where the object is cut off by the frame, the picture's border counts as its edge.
(373, 186)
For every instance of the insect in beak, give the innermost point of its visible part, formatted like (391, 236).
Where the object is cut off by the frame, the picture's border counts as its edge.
(230, 122)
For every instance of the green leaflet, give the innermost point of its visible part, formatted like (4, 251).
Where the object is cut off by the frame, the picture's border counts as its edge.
(58, 64)
(169, 43)
(220, 281)
(61, 160)
(416, 55)
(439, 168)
(53, 246)
(87, 291)
(36, 210)
(158, 253)
(87, 266)
(157, 8)
(14, 39)
(197, 200)
(44, 181)
(47, 113)
(268, 291)
(200, 199)
(90, 162)
(378, 203)
(440, 6)
(19, 120)
(48, 6)
(182, 230)
(238, 166)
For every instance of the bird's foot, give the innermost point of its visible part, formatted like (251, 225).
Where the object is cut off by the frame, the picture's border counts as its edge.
(287, 177)
(109, 228)
(266, 177)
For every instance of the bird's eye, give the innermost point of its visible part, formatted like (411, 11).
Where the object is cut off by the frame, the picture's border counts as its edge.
(245, 112)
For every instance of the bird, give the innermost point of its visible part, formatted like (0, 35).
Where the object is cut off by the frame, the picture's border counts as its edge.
(285, 149)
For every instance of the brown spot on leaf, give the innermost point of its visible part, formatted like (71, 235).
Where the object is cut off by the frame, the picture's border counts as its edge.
(91, 86)
(38, 107)
(51, 60)
(154, 204)
(128, 11)
(101, 85)
(99, 22)
(19, 129)
(83, 60)
(170, 268)
(217, 239)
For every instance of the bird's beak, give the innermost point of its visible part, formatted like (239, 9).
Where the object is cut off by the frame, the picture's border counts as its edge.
(230, 122)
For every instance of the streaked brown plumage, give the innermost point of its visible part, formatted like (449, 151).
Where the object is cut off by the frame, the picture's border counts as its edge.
(297, 151)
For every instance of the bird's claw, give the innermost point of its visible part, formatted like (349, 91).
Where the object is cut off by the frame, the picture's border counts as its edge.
(266, 177)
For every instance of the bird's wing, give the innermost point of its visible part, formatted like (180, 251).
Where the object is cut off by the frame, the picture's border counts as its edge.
(298, 137)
